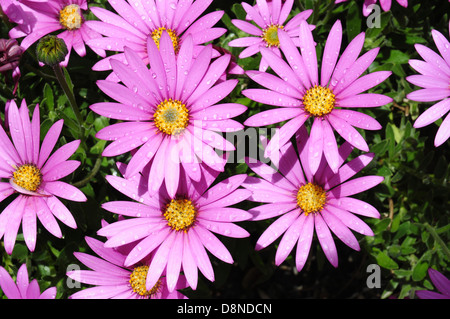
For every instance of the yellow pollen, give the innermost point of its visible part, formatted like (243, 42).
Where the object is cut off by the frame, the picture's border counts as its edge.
(270, 35)
(311, 198)
(138, 280)
(70, 17)
(180, 214)
(28, 177)
(171, 117)
(156, 36)
(319, 101)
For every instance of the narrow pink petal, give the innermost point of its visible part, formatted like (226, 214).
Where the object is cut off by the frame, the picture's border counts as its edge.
(172, 168)
(304, 240)
(442, 44)
(276, 229)
(355, 206)
(13, 223)
(429, 95)
(355, 186)
(254, 15)
(159, 261)
(222, 189)
(350, 221)
(443, 132)
(246, 27)
(8, 285)
(331, 53)
(213, 244)
(61, 170)
(60, 155)
(64, 190)
(286, 10)
(189, 264)
(60, 211)
(225, 229)
(349, 133)
(271, 97)
(288, 240)
(271, 210)
(17, 132)
(364, 83)
(174, 261)
(433, 58)
(433, 113)
(196, 72)
(349, 169)
(199, 253)
(29, 224)
(308, 51)
(315, 149)
(326, 240)
(340, 230)
(47, 219)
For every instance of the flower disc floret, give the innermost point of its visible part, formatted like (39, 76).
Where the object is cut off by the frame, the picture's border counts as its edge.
(319, 101)
(138, 280)
(156, 36)
(311, 198)
(28, 177)
(70, 17)
(180, 214)
(270, 35)
(171, 117)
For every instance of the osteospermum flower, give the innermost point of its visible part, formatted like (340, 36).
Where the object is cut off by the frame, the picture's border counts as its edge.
(138, 21)
(10, 54)
(269, 17)
(34, 175)
(23, 288)
(309, 202)
(169, 112)
(176, 229)
(441, 283)
(434, 78)
(385, 5)
(37, 18)
(112, 280)
(297, 89)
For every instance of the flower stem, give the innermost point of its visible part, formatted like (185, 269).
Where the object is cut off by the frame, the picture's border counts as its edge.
(438, 239)
(71, 97)
(95, 169)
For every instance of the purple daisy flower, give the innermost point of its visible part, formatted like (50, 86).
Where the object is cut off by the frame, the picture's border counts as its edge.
(385, 5)
(310, 202)
(33, 174)
(177, 229)
(269, 17)
(138, 21)
(434, 78)
(301, 95)
(113, 280)
(37, 18)
(169, 112)
(441, 283)
(23, 288)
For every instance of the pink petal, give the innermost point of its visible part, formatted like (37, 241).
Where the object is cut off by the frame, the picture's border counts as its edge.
(326, 240)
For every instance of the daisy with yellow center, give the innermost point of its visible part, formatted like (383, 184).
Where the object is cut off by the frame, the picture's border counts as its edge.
(305, 204)
(180, 214)
(319, 101)
(156, 36)
(171, 117)
(28, 177)
(137, 281)
(270, 35)
(311, 198)
(70, 17)
(111, 280)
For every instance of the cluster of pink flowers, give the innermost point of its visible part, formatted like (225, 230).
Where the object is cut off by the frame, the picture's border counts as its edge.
(167, 88)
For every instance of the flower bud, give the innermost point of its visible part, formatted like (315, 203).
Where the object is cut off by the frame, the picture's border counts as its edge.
(10, 53)
(51, 50)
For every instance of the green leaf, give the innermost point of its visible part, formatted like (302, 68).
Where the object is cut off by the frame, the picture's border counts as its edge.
(420, 271)
(353, 21)
(385, 261)
(397, 57)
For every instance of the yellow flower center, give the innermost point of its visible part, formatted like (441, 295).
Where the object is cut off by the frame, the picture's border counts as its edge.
(156, 36)
(319, 101)
(70, 17)
(28, 177)
(180, 214)
(138, 279)
(311, 198)
(270, 35)
(171, 117)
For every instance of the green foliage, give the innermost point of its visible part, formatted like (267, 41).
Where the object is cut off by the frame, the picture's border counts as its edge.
(411, 236)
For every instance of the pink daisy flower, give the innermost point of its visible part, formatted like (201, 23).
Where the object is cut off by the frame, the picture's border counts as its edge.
(112, 280)
(310, 202)
(170, 113)
(23, 288)
(434, 78)
(299, 93)
(269, 17)
(138, 21)
(177, 229)
(385, 5)
(441, 283)
(37, 18)
(33, 174)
